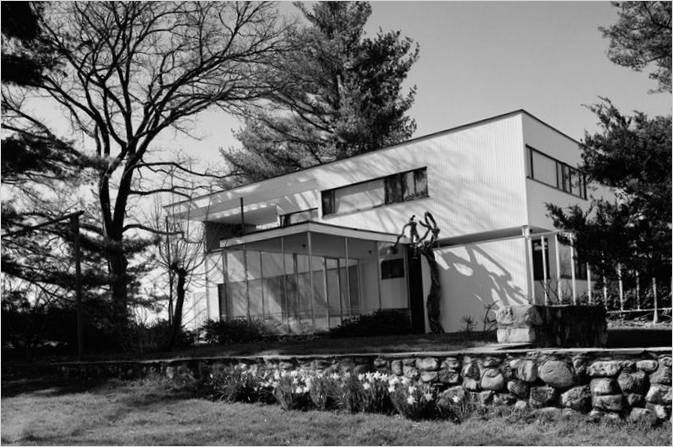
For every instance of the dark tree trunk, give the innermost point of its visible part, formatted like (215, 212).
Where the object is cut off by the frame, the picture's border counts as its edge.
(179, 301)
(434, 297)
(119, 288)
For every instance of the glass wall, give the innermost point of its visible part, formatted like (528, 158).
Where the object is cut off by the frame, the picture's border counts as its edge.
(279, 283)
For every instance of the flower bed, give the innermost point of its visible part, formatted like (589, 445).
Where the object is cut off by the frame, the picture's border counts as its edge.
(371, 392)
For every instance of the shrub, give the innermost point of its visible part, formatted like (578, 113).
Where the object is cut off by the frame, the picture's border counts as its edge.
(381, 322)
(412, 400)
(234, 331)
(291, 391)
(234, 384)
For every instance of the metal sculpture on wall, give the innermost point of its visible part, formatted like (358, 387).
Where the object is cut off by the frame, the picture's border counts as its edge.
(425, 246)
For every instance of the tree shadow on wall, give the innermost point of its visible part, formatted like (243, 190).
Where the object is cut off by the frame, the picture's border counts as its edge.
(473, 282)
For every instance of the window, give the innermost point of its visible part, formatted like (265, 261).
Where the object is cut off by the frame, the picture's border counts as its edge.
(298, 217)
(565, 264)
(557, 174)
(392, 268)
(401, 187)
(538, 270)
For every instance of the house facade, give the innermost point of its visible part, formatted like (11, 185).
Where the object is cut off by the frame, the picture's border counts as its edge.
(305, 250)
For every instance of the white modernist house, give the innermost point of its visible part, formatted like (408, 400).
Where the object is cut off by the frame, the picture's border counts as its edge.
(308, 249)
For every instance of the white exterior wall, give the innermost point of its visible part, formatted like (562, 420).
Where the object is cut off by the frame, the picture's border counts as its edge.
(475, 183)
(475, 275)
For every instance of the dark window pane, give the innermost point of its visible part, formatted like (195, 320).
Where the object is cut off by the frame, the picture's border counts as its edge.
(224, 303)
(408, 186)
(538, 272)
(392, 268)
(327, 202)
(421, 180)
(393, 185)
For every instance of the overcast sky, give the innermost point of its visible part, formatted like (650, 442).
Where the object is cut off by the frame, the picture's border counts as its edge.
(480, 59)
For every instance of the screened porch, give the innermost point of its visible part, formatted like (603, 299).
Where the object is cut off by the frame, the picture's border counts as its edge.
(308, 277)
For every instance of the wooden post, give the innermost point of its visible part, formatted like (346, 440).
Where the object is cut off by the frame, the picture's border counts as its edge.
(74, 222)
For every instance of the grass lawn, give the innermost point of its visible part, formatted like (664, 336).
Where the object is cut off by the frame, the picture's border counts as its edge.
(128, 413)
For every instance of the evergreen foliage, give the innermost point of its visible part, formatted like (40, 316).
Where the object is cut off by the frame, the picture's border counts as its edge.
(339, 94)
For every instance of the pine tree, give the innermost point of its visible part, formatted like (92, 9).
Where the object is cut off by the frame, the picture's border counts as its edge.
(339, 94)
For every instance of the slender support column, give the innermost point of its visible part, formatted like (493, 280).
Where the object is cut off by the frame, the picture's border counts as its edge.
(605, 291)
(572, 269)
(261, 277)
(348, 280)
(557, 261)
(339, 287)
(285, 302)
(529, 263)
(227, 295)
(378, 274)
(247, 283)
(621, 287)
(655, 319)
(543, 242)
(324, 285)
(310, 276)
(589, 285)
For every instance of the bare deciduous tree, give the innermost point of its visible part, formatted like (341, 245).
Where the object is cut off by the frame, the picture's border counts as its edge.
(129, 70)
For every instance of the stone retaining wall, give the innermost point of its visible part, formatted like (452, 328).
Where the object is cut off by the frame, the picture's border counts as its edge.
(618, 383)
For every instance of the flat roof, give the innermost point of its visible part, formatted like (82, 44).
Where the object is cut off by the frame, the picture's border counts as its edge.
(412, 140)
(313, 227)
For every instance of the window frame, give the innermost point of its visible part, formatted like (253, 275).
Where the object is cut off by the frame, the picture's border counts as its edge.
(564, 175)
(397, 180)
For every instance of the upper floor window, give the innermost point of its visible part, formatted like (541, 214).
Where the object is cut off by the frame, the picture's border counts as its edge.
(400, 187)
(555, 173)
(298, 217)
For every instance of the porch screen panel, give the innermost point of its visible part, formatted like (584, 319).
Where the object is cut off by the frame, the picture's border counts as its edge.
(254, 273)
(304, 296)
(236, 284)
(273, 276)
(354, 286)
(320, 300)
(333, 291)
(290, 288)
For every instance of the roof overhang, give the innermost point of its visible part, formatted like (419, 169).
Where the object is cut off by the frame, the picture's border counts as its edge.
(311, 227)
